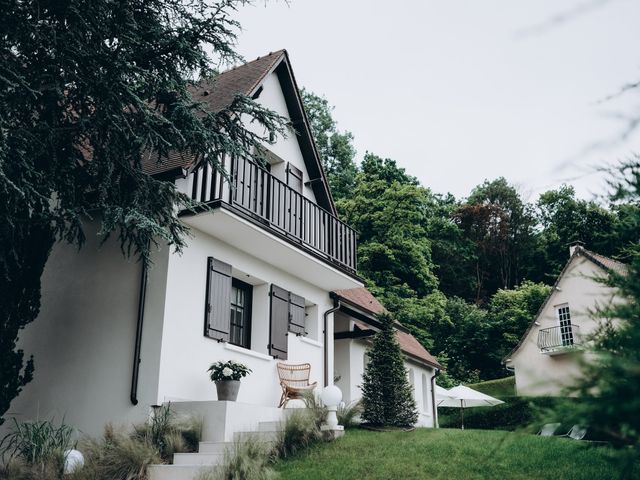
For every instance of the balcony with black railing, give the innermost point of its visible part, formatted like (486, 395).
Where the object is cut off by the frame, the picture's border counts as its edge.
(253, 192)
(558, 339)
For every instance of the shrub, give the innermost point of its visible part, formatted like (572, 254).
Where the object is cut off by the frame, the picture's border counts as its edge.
(300, 430)
(387, 396)
(349, 414)
(248, 460)
(37, 443)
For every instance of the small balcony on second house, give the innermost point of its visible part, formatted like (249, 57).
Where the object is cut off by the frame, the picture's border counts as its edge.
(253, 193)
(559, 340)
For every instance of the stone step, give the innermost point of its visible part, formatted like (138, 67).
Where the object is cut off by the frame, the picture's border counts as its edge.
(198, 458)
(264, 436)
(174, 472)
(214, 447)
(269, 426)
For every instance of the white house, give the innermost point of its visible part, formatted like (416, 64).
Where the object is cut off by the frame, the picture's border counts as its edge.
(548, 358)
(254, 285)
(355, 323)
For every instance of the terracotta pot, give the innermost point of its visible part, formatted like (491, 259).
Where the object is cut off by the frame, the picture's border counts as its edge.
(228, 389)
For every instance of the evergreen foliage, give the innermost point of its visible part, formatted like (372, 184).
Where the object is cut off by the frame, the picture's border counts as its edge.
(387, 396)
(610, 390)
(87, 89)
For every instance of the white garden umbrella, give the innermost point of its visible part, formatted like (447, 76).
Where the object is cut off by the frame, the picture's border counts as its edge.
(464, 397)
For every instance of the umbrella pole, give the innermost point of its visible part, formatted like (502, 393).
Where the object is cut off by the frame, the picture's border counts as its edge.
(461, 415)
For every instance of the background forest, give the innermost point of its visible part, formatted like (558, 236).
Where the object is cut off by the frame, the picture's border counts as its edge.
(466, 275)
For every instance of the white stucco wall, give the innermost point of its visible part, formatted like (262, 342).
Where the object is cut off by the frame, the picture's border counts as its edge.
(187, 353)
(286, 148)
(543, 374)
(83, 339)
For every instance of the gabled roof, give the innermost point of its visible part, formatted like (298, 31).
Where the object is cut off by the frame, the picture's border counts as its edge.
(364, 300)
(606, 263)
(361, 297)
(219, 92)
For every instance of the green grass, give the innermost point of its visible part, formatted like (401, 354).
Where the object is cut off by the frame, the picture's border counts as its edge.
(499, 388)
(454, 454)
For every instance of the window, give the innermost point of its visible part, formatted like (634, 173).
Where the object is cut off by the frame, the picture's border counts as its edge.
(425, 394)
(228, 305)
(240, 322)
(566, 330)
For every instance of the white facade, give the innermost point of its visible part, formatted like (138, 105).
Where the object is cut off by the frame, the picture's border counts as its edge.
(550, 354)
(83, 340)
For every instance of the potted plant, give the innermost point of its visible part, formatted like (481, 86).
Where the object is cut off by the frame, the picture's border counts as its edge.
(226, 376)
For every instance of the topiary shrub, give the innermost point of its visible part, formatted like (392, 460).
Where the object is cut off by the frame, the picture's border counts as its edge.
(387, 396)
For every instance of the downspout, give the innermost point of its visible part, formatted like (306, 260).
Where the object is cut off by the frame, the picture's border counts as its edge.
(433, 398)
(136, 353)
(336, 307)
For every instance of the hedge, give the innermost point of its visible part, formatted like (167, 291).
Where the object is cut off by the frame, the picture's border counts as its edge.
(516, 413)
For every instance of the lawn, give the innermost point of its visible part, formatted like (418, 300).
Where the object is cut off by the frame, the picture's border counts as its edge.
(454, 454)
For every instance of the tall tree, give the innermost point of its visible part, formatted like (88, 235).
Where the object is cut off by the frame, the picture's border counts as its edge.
(500, 224)
(335, 147)
(564, 218)
(86, 89)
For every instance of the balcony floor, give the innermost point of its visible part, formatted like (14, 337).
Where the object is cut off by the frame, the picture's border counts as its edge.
(243, 234)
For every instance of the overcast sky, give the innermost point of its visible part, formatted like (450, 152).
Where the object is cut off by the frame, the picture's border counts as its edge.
(460, 91)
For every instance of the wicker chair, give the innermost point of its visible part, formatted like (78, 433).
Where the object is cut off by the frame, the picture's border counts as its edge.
(294, 380)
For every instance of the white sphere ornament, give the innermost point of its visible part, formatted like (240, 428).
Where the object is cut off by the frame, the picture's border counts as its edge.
(73, 461)
(331, 396)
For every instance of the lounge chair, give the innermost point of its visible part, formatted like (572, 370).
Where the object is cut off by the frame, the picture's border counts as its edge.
(548, 429)
(294, 380)
(577, 433)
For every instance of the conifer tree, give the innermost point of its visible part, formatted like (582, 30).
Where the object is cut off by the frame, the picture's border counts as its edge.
(387, 396)
(88, 89)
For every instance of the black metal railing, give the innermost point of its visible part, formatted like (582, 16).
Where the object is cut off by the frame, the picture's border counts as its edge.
(275, 205)
(564, 336)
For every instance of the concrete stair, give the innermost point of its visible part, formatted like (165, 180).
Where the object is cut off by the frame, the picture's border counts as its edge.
(187, 466)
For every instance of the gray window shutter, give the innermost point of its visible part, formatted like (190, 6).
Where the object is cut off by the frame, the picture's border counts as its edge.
(294, 178)
(296, 314)
(217, 308)
(279, 323)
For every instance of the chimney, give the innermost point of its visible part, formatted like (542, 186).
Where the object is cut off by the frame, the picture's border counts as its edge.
(573, 245)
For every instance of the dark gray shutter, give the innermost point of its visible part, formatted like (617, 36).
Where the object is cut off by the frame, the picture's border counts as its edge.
(294, 178)
(279, 323)
(296, 314)
(217, 308)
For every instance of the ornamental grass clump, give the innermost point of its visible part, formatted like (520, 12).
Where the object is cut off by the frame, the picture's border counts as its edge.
(230, 370)
(170, 433)
(299, 431)
(35, 449)
(249, 459)
(117, 456)
(349, 414)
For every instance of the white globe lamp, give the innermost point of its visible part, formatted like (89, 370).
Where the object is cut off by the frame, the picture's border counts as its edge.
(331, 396)
(73, 461)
